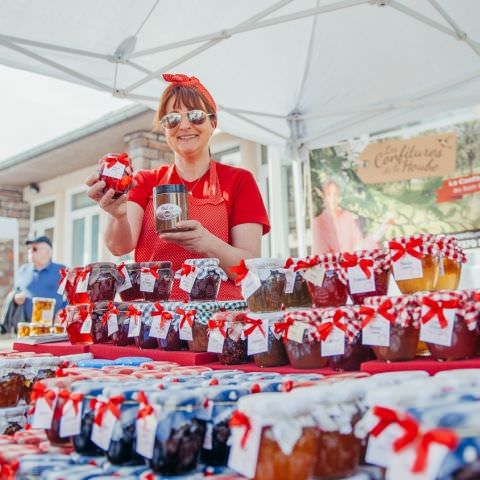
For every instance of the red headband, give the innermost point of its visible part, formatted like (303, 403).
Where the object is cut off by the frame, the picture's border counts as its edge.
(191, 82)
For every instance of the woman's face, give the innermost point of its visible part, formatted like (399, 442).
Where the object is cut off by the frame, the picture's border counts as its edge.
(188, 140)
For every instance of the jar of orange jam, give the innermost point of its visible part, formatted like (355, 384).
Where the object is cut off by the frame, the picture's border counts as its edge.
(42, 310)
(23, 329)
(415, 262)
(451, 258)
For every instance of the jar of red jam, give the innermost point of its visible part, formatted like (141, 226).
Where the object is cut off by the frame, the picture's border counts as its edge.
(367, 273)
(226, 337)
(340, 334)
(168, 326)
(415, 262)
(297, 294)
(451, 258)
(102, 321)
(198, 314)
(263, 283)
(402, 325)
(302, 342)
(129, 289)
(449, 325)
(143, 339)
(326, 281)
(263, 342)
(11, 382)
(200, 278)
(156, 280)
(117, 173)
(129, 319)
(79, 324)
(75, 275)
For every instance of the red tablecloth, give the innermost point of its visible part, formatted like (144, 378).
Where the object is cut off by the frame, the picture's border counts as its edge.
(57, 348)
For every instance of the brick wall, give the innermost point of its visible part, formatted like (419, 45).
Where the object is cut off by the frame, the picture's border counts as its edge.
(12, 206)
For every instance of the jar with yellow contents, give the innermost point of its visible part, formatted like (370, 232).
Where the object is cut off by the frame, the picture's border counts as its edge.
(451, 258)
(415, 262)
(43, 310)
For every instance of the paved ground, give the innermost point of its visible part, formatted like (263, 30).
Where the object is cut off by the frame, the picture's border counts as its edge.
(6, 341)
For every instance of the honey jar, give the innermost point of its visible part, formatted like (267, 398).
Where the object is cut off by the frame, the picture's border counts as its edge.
(43, 310)
(40, 329)
(451, 258)
(23, 329)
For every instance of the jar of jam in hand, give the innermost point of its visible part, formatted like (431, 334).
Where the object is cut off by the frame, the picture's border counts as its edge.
(117, 173)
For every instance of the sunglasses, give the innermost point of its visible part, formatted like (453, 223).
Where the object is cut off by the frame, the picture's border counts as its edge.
(195, 117)
(33, 249)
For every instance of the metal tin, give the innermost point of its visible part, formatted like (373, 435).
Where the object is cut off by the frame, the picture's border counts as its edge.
(170, 206)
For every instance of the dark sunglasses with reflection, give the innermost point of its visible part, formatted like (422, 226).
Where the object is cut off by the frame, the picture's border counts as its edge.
(195, 117)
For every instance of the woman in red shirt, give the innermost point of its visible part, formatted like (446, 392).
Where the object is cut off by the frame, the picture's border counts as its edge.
(227, 216)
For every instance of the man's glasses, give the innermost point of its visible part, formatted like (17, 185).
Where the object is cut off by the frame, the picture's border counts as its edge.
(33, 249)
(195, 117)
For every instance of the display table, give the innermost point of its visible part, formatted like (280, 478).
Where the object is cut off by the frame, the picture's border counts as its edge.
(56, 348)
(284, 370)
(427, 364)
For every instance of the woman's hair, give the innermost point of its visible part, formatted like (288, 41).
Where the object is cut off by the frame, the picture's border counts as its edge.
(190, 97)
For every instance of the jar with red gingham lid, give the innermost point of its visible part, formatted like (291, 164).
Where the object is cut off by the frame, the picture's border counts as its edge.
(297, 294)
(449, 324)
(325, 279)
(302, 343)
(451, 259)
(367, 273)
(117, 173)
(402, 326)
(415, 262)
(340, 334)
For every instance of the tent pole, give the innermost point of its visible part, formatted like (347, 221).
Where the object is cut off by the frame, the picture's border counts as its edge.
(298, 193)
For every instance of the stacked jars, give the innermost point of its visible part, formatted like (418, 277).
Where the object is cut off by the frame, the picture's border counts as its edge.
(451, 259)
(297, 294)
(194, 324)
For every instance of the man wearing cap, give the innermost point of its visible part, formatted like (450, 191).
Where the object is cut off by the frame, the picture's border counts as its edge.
(39, 277)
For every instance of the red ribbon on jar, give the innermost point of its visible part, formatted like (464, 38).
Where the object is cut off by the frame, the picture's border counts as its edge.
(8, 470)
(281, 328)
(84, 312)
(220, 324)
(63, 275)
(369, 313)
(41, 391)
(164, 315)
(111, 310)
(62, 316)
(187, 269)
(133, 312)
(113, 405)
(324, 329)
(306, 264)
(240, 420)
(120, 269)
(152, 270)
(412, 247)
(146, 409)
(75, 398)
(436, 309)
(351, 260)
(254, 323)
(289, 263)
(82, 274)
(241, 271)
(122, 158)
(186, 316)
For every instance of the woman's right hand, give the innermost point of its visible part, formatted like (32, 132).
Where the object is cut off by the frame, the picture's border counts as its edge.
(117, 208)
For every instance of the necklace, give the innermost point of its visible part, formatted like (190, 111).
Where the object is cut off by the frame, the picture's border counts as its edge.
(190, 191)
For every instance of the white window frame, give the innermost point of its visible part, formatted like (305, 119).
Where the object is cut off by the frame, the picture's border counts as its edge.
(38, 227)
(87, 213)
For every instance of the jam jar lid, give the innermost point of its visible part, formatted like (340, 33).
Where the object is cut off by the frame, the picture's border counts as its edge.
(170, 188)
(379, 256)
(43, 299)
(161, 264)
(102, 265)
(159, 365)
(94, 363)
(12, 363)
(131, 361)
(74, 358)
(232, 304)
(184, 399)
(91, 387)
(39, 362)
(13, 412)
(226, 373)
(203, 262)
(257, 264)
(221, 393)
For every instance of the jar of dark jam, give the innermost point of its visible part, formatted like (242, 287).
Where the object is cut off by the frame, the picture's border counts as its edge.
(129, 289)
(11, 382)
(326, 281)
(156, 280)
(38, 368)
(117, 173)
(203, 313)
(367, 273)
(77, 315)
(127, 312)
(144, 340)
(100, 315)
(103, 282)
(207, 276)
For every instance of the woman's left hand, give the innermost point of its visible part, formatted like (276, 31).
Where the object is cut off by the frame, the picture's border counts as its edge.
(196, 239)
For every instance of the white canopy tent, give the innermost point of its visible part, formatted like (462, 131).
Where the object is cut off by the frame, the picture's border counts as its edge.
(297, 74)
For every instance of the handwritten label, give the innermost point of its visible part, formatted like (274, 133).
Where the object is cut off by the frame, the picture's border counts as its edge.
(377, 332)
(102, 434)
(315, 275)
(112, 324)
(127, 282)
(146, 430)
(185, 332)
(431, 332)
(115, 171)
(250, 284)
(290, 277)
(407, 267)
(147, 282)
(134, 326)
(358, 281)
(159, 330)
(43, 415)
(334, 344)
(380, 449)
(71, 422)
(86, 327)
(215, 341)
(257, 342)
(296, 332)
(187, 281)
(82, 283)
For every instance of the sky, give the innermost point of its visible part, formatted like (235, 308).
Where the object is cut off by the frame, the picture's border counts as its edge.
(35, 109)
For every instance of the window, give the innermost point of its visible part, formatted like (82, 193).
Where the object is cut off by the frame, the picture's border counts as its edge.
(84, 229)
(43, 220)
(230, 157)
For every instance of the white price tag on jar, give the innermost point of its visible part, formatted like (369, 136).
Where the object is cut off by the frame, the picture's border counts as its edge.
(296, 332)
(43, 415)
(146, 430)
(358, 281)
(82, 283)
(257, 342)
(315, 275)
(47, 315)
(159, 329)
(71, 421)
(185, 332)
(102, 434)
(215, 341)
(87, 325)
(62, 286)
(115, 171)
(407, 267)
(377, 332)
(112, 324)
(187, 281)
(250, 284)
(380, 449)
(290, 277)
(134, 326)
(334, 344)
(127, 282)
(431, 332)
(147, 282)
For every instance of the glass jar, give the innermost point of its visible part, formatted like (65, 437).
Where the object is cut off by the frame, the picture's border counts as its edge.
(38, 368)
(179, 435)
(157, 288)
(302, 343)
(207, 276)
(23, 329)
(117, 173)
(170, 206)
(77, 294)
(203, 313)
(143, 339)
(170, 340)
(450, 273)
(274, 354)
(100, 314)
(43, 310)
(268, 278)
(103, 281)
(415, 263)
(229, 326)
(12, 420)
(77, 315)
(367, 273)
(11, 382)
(127, 312)
(325, 280)
(129, 289)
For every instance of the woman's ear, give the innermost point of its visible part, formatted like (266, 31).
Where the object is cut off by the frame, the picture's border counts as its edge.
(213, 121)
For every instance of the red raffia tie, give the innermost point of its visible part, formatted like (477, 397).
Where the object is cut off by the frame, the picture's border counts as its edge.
(186, 316)
(41, 391)
(133, 312)
(240, 420)
(436, 310)
(306, 264)
(82, 274)
(241, 271)
(190, 82)
(62, 315)
(63, 275)
(123, 158)
(254, 323)
(187, 269)
(152, 270)
(75, 398)
(288, 263)
(120, 270)
(85, 312)
(411, 247)
(281, 328)
(369, 313)
(146, 409)
(220, 324)
(325, 329)
(111, 310)
(350, 260)
(164, 315)
(112, 405)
